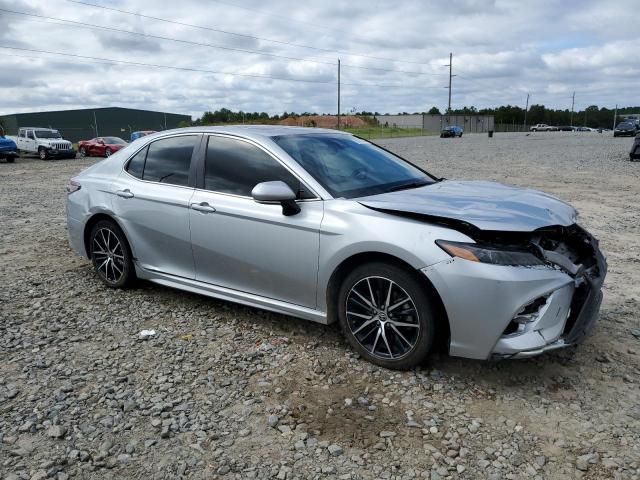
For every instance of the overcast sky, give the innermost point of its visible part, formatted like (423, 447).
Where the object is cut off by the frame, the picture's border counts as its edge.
(502, 51)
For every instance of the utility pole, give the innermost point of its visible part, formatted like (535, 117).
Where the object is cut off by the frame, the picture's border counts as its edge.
(526, 110)
(573, 99)
(450, 77)
(95, 122)
(338, 94)
(615, 117)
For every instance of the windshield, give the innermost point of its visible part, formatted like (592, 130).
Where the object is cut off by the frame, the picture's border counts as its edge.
(114, 141)
(625, 125)
(48, 134)
(350, 167)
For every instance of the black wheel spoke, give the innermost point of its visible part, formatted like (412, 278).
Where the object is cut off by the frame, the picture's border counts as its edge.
(108, 255)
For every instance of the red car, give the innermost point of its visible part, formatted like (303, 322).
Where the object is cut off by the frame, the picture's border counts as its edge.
(100, 146)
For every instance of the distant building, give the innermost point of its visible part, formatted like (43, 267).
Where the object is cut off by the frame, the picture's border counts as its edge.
(93, 122)
(435, 123)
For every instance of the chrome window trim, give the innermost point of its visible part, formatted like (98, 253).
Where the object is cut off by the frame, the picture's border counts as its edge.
(126, 162)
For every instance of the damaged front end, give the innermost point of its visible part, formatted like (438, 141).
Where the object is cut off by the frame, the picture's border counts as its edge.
(567, 314)
(547, 298)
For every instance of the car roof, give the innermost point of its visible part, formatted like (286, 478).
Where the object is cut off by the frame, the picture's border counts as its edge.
(39, 128)
(253, 130)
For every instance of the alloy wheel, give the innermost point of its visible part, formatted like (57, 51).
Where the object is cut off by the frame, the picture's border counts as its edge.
(108, 255)
(382, 317)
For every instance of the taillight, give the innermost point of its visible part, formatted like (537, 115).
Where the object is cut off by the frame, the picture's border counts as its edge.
(73, 186)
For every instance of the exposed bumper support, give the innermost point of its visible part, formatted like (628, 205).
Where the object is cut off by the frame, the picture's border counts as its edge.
(484, 305)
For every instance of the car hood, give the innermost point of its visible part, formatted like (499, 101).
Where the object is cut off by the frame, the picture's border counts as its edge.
(7, 143)
(49, 141)
(485, 205)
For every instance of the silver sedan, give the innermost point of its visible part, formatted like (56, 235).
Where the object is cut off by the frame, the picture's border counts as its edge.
(327, 227)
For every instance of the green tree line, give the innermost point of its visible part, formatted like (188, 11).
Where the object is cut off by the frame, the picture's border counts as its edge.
(592, 116)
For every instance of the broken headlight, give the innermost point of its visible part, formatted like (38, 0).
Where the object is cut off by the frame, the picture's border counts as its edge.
(489, 254)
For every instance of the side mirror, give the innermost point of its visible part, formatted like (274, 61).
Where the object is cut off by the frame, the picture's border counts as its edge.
(276, 192)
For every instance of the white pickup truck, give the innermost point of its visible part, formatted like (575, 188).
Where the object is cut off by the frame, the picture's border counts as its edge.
(543, 127)
(47, 143)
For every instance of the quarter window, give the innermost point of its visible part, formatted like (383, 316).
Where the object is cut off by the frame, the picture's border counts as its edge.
(136, 164)
(235, 167)
(168, 160)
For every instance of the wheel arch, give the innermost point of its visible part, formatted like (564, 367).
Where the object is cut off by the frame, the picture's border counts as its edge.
(442, 333)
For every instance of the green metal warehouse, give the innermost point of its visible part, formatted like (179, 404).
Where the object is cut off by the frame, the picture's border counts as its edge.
(92, 122)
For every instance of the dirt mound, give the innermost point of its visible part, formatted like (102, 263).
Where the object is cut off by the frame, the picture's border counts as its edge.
(324, 121)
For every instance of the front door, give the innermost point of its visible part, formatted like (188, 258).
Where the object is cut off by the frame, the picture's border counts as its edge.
(240, 244)
(151, 200)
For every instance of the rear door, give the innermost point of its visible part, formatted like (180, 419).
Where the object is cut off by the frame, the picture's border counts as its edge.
(246, 246)
(151, 200)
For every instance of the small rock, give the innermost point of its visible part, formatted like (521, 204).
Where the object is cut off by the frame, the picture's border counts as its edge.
(387, 434)
(57, 431)
(273, 420)
(582, 462)
(334, 450)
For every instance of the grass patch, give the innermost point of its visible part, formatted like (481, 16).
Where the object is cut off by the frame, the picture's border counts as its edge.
(386, 132)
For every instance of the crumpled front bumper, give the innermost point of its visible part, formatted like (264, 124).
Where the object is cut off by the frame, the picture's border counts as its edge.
(481, 301)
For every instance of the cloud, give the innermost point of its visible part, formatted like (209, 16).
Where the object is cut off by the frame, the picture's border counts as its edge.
(502, 51)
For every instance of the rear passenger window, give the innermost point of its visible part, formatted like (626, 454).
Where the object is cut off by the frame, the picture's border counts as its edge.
(136, 164)
(169, 160)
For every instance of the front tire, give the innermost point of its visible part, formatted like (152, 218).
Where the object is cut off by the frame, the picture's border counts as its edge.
(107, 152)
(42, 153)
(111, 255)
(386, 315)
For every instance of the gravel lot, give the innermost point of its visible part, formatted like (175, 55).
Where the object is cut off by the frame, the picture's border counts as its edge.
(224, 391)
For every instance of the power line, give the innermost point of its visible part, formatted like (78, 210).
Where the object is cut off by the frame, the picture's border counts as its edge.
(107, 61)
(155, 65)
(244, 35)
(91, 26)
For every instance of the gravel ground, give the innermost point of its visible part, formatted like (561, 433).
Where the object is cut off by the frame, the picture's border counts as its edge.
(224, 391)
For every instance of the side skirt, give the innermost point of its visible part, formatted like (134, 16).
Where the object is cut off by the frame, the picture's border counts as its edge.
(230, 295)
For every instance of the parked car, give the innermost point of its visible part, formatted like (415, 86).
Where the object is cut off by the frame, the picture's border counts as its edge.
(625, 129)
(141, 133)
(8, 149)
(451, 131)
(326, 226)
(100, 146)
(634, 154)
(543, 127)
(46, 142)
(567, 128)
(584, 129)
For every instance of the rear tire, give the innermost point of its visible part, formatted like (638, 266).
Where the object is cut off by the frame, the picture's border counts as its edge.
(386, 315)
(42, 153)
(107, 152)
(82, 152)
(111, 255)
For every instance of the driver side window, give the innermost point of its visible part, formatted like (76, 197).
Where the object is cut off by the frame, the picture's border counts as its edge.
(234, 166)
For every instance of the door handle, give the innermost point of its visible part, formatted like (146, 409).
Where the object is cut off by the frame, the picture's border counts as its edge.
(124, 193)
(203, 207)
